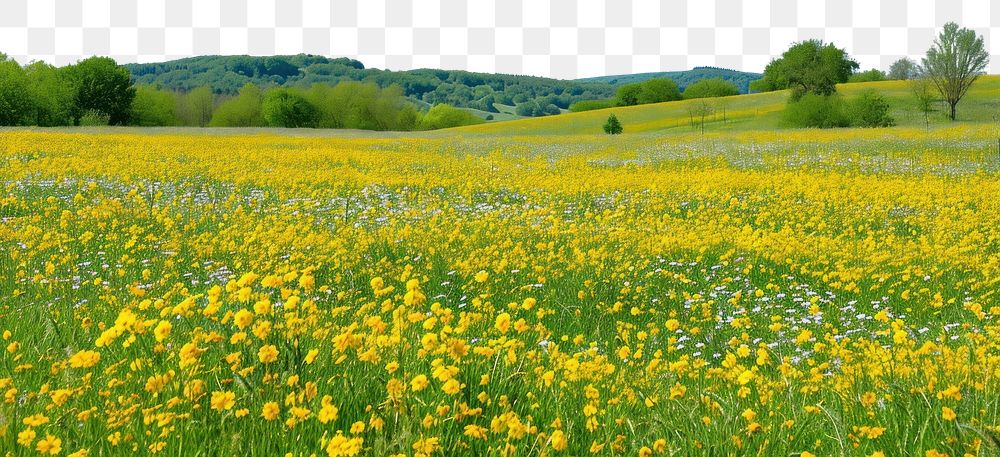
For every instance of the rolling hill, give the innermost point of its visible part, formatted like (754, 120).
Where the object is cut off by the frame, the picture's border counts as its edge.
(745, 112)
(741, 79)
(463, 89)
(481, 93)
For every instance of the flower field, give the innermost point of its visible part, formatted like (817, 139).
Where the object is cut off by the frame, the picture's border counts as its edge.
(742, 294)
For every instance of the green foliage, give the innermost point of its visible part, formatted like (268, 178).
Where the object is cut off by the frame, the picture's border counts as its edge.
(903, 69)
(628, 95)
(16, 106)
(698, 113)
(153, 107)
(659, 90)
(96, 91)
(386, 109)
(814, 110)
(227, 74)
(870, 109)
(288, 108)
(51, 94)
(740, 79)
(338, 105)
(612, 126)
(809, 66)
(707, 88)
(534, 108)
(763, 85)
(923, 95)
(868, 76)
(650, 91)
(195, 108)
(589, 105)
(102, 86)
(94, 118)
(244, 110)
(956, 60)
(445, 116)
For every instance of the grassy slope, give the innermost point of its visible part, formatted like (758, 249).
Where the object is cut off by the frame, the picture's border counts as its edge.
(746, 112)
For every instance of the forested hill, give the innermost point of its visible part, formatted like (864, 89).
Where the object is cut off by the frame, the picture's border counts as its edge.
(227, 74)
(480, 91)
(741, 79)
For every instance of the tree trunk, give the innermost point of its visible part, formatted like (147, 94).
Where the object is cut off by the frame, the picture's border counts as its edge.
(953, 105)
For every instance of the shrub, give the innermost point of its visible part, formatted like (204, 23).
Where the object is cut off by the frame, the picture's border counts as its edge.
(714, 87)
(813, 110)
(444, 116)
(244, 110)
(659, 90)
(589, 105)
(628, 94)
(94, 118)
(869, 110)
(612, 126)
(288, 108)
(528, 108)
(152, 107)
(867, 76)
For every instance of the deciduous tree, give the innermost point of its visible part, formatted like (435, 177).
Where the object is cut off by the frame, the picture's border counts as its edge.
(956, 60)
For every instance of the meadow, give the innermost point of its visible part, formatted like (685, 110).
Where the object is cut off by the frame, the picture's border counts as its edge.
(754, 112)
(737, 293)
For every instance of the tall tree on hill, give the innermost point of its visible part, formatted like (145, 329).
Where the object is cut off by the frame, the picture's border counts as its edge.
(956, 60)
(811, 66)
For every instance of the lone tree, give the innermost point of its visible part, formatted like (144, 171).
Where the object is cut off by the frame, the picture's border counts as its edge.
(613, 127)
(955, 61)
(808, 67)
(923, 95)
(903, 69)
(698, 113)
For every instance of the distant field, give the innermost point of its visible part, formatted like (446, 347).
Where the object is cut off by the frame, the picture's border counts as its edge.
(747, 112)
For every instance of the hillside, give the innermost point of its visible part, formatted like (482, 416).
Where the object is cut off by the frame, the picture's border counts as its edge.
(741, 79)
(747, 112)
(478, 91)
(481, 93)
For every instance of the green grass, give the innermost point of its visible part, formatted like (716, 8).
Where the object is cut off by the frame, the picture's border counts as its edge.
(748, 112)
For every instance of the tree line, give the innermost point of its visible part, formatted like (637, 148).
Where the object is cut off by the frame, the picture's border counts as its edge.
(658, 90)
(481, 91)
(97, 91)
(43, 95)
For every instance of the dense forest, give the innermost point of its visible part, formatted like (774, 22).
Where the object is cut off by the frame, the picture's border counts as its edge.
(480, 91)
(304, 91)
(532, 96)
(97, 91)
